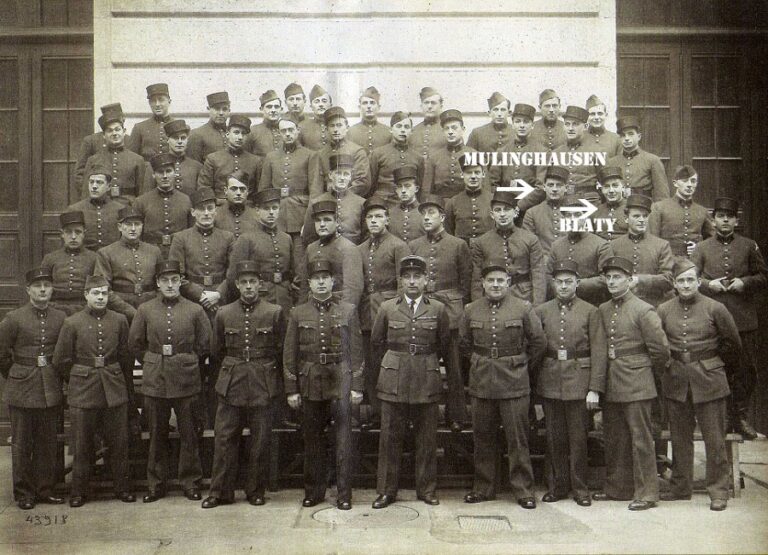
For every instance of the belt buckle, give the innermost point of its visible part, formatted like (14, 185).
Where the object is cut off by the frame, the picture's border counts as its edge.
(494, 352)
(137, 289)
(167, 350)
(323, 358)
(208, 281)
(412, 348)
(612, 353)
(114, 190)
(371, 289)
(42, 360)
(99, 362)
(247, 354)
(166, 240)
(277, 277)
(562, 354)
(685, 356)
(285, 191)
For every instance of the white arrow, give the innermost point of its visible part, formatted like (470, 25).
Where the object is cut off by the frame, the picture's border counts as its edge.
(522, 187)
(588, 208)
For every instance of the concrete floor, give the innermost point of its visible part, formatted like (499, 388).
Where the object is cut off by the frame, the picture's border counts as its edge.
(175, 525)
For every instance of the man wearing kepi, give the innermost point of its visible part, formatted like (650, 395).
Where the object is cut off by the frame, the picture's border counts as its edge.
(410, 335)
(247, 350)
(321, 366)
(570, 381)
(637, 349)
(186, 169)
(91, 354)
(32, 390)
(492, 136)
(212, 135)
(148, 137)
(503, 335)
(702, 334)
(171, 335)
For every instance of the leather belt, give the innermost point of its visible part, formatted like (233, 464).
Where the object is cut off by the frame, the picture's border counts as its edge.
(131, 288)
(435, 286)
(519, 278)
(412, 348)
(694, 357)
(68, 296)
(495, 352)
(275, 277)
(618, 353)
(569, 354)
(96, 362)
(248, 354)
(322, 358)
(186, 350)
(40, 361)
(207, 281)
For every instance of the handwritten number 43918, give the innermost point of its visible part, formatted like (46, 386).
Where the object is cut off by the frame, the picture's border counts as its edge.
(45, 520)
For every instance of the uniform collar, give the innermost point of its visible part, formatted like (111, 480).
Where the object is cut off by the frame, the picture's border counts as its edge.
(269, 124)
(248, 307)
(618, 301)
(574, 144)
(455, 148)
(401, 147)
(726, 239)
(161, 119)
(436, 236)
(575, 236)
(630, 155)
(325, 305)
(613, 204)
(411, 205)
(549, 124)
(218, 126)
(289, 148)
(236, 209)
(597, 132)
(430, 120)
(268, 230)
(73, 251)
(505, 233)
(554, 203)
(636, 237)
(41, 312)
(131, 244)
(335, 145)
(682, 202)
(476, 193)
(204, 232)
(165, 194)
(233, 150)
(495, 305)
(521, 141)
(170, 302)
(328, 239)
(500, 126)
(690, 301)
(96, 313)
(567, 305)
(101, 201)
(119, 148)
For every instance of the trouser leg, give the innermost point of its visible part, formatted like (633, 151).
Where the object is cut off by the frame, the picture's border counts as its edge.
(485, 426)
(456, 409)
(712, 421)
(115, 425)
(228, 429)
(619, 482)
(45, 449)
(557, 446)
(158, 412)
(259, 421)
(315, 446)
(638, 414)
(681, 426)
(343, 448)
(370, 377)
(393, 416)
(577, 422)
(190, 469)
(82, 423)
(514, 418)
(425, 417)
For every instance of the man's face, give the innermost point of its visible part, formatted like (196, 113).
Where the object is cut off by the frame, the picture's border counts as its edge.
(236, 136)
(337, 128)
(522, 125)
(320, 104)
(687, 283)
(565, 285)
(97, 186)
(321, 284)
(473, 177)
(574, 129)
(272, 110)
(630, 138)
(725, 222)
(340, 179)
(40, 291)
(160, 104)
(178, 143)
(219, 113)
(453, 131)
(402, 130)
(289, 131)
(597, 116)
(164, 177)
(686, 187)
(431, 106)
(236, 192)
(114, 134)
(325, 224)
(496, 285)
(406, 190)
(613, 190)
(554, 188)
(617, 282)
(369, 108)
(268, 213)
(432, 218)
(413, 283)
(499, 113)
(550, 109)
(296, 103)
(204, 213)
(377, 220)
(248, 286)
(130, 229)
(169, 284)
(503, 215)
(73, 236)
(97, 297)
(637, 220)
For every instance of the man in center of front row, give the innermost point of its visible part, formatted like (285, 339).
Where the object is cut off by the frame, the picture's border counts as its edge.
(321, 367)
(410, 334)
(504, 337)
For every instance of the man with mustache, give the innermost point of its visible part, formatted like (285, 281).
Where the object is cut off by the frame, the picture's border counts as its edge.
(212, 135)
(148, 137)
(235, 215)
(494, 135)
(598, 138)
(314, 133)
(336, 122)
(428, 134)
(186, 169)
(265, 137)
(393, 155)
(549, 131)
(643, 172)
(368, 132)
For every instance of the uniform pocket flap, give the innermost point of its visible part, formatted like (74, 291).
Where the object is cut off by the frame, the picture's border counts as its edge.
(391, 360)
(519, 360)
(585, 363)
(231, 331)
(308, 324)
(428, 325)
(513, 324)
(79, 370)
(395, 325)
(474, 324)
(711, 364)
(18, 371)
(263, 331)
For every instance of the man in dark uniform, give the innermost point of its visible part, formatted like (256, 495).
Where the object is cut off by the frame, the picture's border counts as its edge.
(442, 174)
(598, 138)
(428, 134)
(643, 172)
(247, 352)
(171, 335)
(680, 220)
(336, 121)
(148, 137)
(519, 248)
(322, 359)
(410, 334)
(235, 215)
(702, 335)
(499, 382)
(92, 144)
(582, 178)
(295, 100)
(570, 381)
(543, 220)
(733, 272)
(637, 350)
(221, 164)
(165, 209)
(611, 184)
(314, 133)
(99, 209)
(449, 278)
(91, 355)
(404, 217)
(33, 391)
(265, 136)
(381, 254)
(468, 214)
(129, 263)
(492, 136)
(368, 132)
(394, 154)
(549, 132)
(186, 169)
(293, 170)
(212, 135)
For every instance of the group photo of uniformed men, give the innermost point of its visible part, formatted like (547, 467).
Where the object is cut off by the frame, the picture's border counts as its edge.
(328, 276)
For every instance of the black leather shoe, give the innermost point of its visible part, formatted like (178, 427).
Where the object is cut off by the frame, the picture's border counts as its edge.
(368, 426)
(637, 505)
(383, 501)
(343, 505)
(745, 428)
(193, 494)
(77, 501)
(211, 502)
(476, 497)
(550, 497)
(126, 497)
(152, 496)
(26, 504)
(429, 499)
(50, 499)
(309, 502)
(718, 504)
(527, 502)
(257, 500)
(671, 496)
(602, 496)
(456, 426)
(583, 501)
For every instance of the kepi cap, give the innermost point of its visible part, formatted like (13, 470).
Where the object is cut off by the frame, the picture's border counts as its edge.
(524, 110)
(323, 207)
(726, 204)
(413, 262)
(158, 88)
(558, 172)
(432, 200)
(129, 213)
(545, 95)
(319, 265)
(371, 92)
(268, 96)
(240, 120)
(266, 196)
(609, 172)
(618, 263)
(496, 265)
(332, 113)
(569, 266)
(639, 201)
(167, 267)
(214, 99)
(36, 274)
(576, 112)
(627, 122)
(161, 160)
(175, 127)
(451, 115)
(201, 195)
(405, 172)
(246, 267)
(69, 218)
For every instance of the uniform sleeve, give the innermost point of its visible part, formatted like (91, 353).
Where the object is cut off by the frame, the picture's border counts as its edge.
(494, 175)
(308, 233)
(661, 281)
(529, 223)
(117, 304)
(316, 184)
(223, 288)
(140, 176)
(476, 253)
(758, 273)
(654, 220)
(352, 267)
(195, 147)
(655, 340)
(378, 340)
(465, 334)
(218, 345)
(596, 284)
(47, 263)
(64, 353)
(464, 264)
(207, 174)
(729, 341)
(354, 347)
(137, 335)
(427, 183)
(536, 341)
(265, 180)
(83, 154)
(125, 360)
(598, 352)
(401, 251)
(473, 141)
(203, 332)
(444, 341)
(536, 255)
(374, 166)
(659, 180)
(279, 324)
(8, 331)
(361, 176)
(291, 354)
(134, 141)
